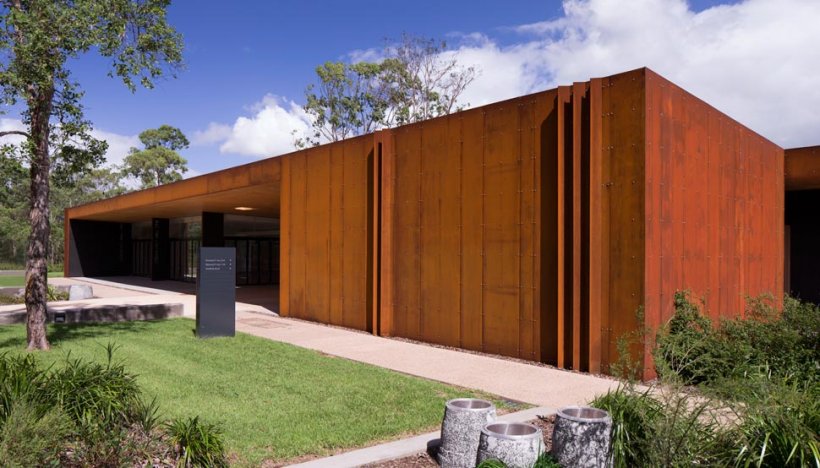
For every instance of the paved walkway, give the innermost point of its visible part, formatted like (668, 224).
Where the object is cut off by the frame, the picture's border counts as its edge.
(538, 385)
(534, 384)
(542, 386)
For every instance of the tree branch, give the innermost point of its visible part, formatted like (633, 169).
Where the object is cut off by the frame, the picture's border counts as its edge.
(15, 132)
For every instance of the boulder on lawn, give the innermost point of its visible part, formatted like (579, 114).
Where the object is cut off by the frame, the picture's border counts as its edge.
(78, 292)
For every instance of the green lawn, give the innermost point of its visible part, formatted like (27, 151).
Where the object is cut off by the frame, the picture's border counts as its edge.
(273, 400)
(20, 280)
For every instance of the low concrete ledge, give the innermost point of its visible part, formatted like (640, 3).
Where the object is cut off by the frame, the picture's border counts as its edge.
(101, 313)
(18, 290)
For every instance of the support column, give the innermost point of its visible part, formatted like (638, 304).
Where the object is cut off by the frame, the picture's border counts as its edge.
(161, 258)
(213, 229)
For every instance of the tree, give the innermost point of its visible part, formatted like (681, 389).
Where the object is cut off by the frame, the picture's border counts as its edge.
(158, 163)
(37, 39)
(417, 79)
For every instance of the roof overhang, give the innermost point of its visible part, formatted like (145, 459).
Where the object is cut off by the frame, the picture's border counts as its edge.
(802, 168)
(255, 185)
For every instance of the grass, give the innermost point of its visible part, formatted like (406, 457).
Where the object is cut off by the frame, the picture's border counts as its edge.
(273, 401)
(10, 281)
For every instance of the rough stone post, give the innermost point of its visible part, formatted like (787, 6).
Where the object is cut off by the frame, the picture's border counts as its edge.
(581, 437)
(517, 445)
(460, 431)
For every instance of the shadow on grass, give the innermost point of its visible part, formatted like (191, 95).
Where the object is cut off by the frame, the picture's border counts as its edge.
(66, 333)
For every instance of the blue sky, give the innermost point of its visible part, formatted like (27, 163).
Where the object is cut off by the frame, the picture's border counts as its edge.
(247, 65)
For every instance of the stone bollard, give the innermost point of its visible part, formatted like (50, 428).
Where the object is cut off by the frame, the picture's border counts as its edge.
(460, 430)
(581, 437)
(517, 445)
(78, 292)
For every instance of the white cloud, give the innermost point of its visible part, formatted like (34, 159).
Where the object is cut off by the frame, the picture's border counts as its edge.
(8, 125)
(268, 132)
(756, 61)
(214, 133)
(118, 145)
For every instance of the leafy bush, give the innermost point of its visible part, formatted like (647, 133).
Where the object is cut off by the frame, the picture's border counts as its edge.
(8, 300)
(55, 294)
(88, 414)
(92, 394)
(146, 414)
(20, 380)
(692, 349)
(545, 460)
(663, 426)
(763, 368)
(30, 438)
(197, 443)
(778, 421)
(634, 416)
(492, 463)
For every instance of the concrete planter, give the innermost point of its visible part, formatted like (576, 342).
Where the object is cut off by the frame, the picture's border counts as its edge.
(460, 430)
(518, 445)
(581, 437)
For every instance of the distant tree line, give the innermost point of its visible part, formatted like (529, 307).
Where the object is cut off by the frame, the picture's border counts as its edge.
(72, 184)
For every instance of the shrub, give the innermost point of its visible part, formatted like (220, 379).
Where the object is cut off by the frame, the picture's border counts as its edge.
(778, 422)
(55, 294)
(545, 460)
(146, 414)
(8, 300)
(21, 379)
(634, 416)
(692, 350)
(197, 443)
(31, 438)
(94, 395)
(492, 463)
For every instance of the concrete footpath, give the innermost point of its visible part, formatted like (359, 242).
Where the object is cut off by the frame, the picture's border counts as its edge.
(515, 380)
(541, 386)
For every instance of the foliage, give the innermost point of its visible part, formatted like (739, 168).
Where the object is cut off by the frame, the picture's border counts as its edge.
(146, 414)
(88, 413)
(159, 162)
(492, 463)
(665, 426)
(742, 392)
(778, 420)
(197, 443)
(634, 416)
(55, 294)
(545, 460)
(39, 39)
(693, 350)
(30, 437)
(416, 79)
(321, 404)
(94, 395)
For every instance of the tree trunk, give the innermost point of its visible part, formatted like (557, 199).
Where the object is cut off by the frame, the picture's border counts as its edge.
(36, 265)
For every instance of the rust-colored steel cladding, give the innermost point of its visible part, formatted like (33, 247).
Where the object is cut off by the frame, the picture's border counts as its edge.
(543, 227)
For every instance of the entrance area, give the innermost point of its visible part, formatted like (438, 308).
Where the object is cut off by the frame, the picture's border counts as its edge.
(155, 236)
(255, 238)
(802, 245)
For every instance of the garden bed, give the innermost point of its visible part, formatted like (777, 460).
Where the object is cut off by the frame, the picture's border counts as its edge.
(274, 402)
